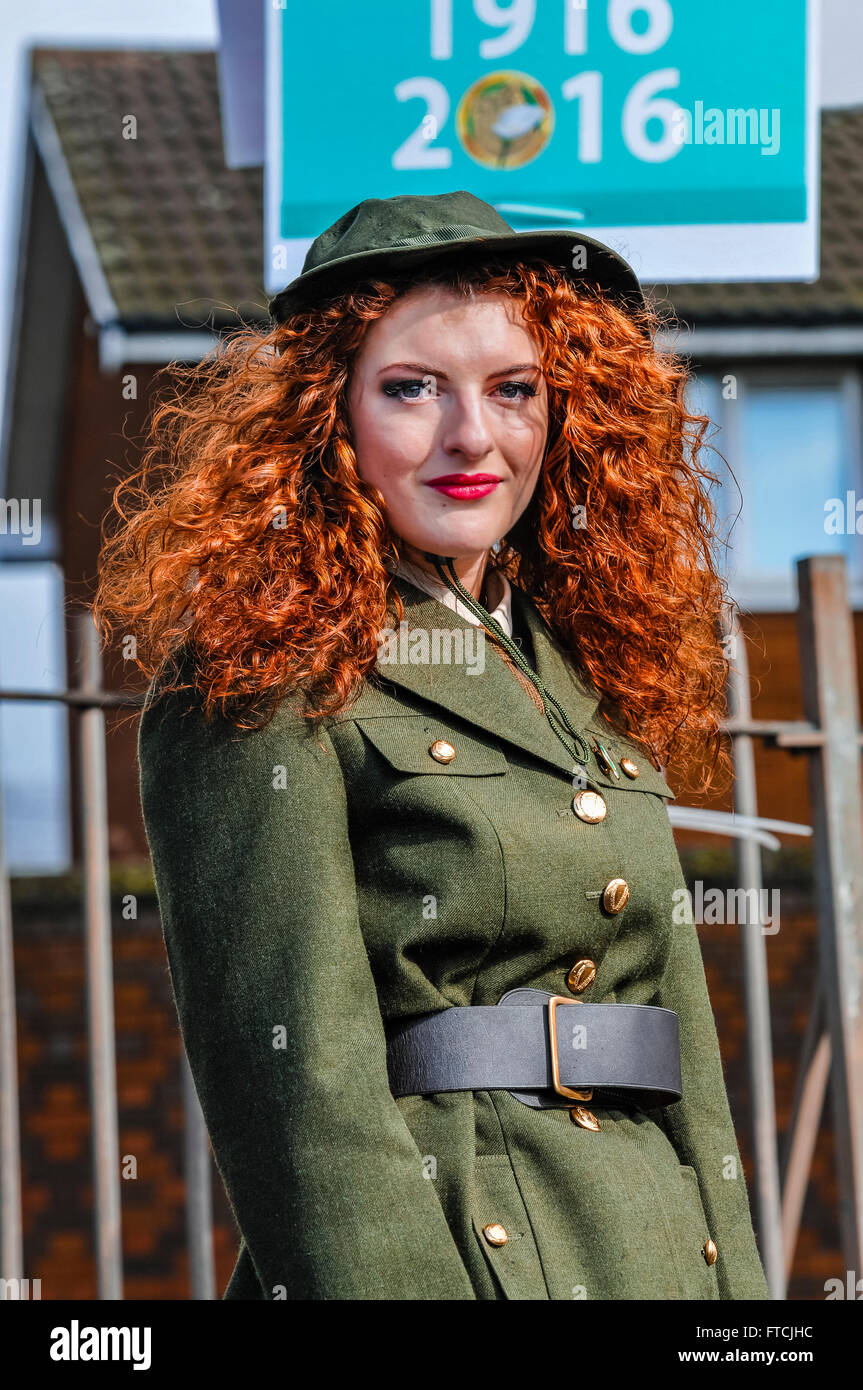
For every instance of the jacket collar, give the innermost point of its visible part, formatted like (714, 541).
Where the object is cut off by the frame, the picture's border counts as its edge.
(491, 699)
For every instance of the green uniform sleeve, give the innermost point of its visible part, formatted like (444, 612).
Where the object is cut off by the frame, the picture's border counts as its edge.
(279, 1013)
(700, 1125)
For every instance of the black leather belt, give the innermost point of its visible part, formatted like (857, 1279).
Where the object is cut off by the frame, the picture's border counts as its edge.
(544, 1052)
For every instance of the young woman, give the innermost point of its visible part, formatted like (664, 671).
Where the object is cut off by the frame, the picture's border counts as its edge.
(426, 596)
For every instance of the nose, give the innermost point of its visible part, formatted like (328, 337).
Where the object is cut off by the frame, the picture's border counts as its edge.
(466, 429)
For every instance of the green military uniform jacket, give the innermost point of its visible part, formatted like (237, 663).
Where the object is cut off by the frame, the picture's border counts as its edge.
(318, 880)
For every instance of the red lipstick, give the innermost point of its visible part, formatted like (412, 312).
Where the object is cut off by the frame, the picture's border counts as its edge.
(465, 486)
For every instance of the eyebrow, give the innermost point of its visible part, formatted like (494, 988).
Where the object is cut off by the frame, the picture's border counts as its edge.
(436, 371)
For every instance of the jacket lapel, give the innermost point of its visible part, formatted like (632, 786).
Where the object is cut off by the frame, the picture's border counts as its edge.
(491, 698)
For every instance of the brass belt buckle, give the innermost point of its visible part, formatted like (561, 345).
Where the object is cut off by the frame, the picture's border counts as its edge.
(555, 1061)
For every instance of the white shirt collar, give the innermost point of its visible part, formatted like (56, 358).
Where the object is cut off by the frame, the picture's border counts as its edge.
(430, 584)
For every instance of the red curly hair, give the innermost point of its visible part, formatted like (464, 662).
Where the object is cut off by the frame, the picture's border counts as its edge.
(248, 533)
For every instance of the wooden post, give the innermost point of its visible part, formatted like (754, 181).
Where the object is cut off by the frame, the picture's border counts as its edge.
(828, 669)
(11, 1240)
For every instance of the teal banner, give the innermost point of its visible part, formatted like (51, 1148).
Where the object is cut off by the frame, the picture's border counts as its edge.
(589, 112)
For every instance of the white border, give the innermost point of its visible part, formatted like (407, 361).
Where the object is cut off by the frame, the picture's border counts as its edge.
(293, 248)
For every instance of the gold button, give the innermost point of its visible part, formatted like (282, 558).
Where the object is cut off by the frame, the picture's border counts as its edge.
(710, 1252)
(441, 751)
(580, 1115)
(589, 806)
(582, 974)
(495, 1234)
(629, 767)
(616, 895)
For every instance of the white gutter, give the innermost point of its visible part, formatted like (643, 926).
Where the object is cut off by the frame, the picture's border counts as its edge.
(117, 346)
(829, 341)
(75, 224)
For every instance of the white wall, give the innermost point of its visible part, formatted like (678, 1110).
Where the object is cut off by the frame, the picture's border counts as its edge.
(841, 52)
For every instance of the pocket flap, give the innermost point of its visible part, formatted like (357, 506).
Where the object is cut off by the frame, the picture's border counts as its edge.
(405, 740)
(499, 1212)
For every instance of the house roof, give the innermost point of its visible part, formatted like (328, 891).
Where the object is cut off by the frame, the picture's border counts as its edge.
(175, 237)
(165, 236)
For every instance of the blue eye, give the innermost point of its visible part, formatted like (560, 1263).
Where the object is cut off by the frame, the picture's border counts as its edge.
(413, 390)
(420, 388)
(522, 389)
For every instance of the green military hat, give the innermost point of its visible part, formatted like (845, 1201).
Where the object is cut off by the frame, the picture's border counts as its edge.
(392, 234)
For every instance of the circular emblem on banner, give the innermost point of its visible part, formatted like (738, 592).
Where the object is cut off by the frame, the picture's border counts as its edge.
(505, 120)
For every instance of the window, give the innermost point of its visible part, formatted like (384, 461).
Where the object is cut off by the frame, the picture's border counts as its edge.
(34, 771)
(792, 437)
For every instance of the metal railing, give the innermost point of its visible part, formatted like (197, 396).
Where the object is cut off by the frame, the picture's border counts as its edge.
(832, 1046)
(92, 701)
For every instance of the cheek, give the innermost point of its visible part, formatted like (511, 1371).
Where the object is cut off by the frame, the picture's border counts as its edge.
(523, 437)
(388, 450)
(524, 455)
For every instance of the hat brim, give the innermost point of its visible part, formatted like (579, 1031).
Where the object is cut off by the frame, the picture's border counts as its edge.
(606, 269)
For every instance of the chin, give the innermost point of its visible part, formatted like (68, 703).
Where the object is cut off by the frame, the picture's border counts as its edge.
(458, 541)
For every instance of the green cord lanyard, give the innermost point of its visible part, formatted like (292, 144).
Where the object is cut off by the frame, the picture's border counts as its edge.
(554, 712)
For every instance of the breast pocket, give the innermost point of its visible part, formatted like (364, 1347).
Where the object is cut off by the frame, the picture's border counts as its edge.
(423, 806)
(419, 744)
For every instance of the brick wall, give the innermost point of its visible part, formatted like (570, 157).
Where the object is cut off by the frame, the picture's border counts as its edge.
(55, 1121)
